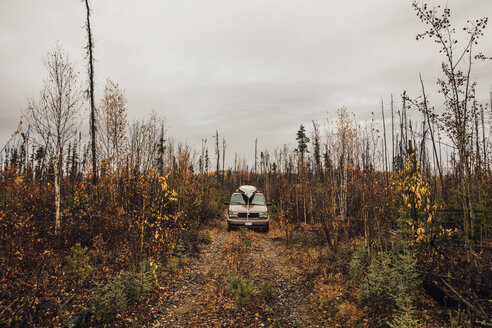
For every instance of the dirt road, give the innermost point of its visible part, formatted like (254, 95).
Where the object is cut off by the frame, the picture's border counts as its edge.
(200, 296)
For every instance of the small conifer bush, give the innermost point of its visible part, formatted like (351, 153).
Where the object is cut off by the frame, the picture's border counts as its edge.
(240, 289)
(266, 290)
(78, 262)
(204, 237)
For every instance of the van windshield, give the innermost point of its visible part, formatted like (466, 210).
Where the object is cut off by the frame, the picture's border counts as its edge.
(258, 200)
(237, 199)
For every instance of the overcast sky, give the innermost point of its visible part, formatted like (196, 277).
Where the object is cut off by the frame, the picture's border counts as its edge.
(249, 68)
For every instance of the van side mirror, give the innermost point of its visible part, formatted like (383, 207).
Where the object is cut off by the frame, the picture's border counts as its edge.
(226, 203)
(269, 203)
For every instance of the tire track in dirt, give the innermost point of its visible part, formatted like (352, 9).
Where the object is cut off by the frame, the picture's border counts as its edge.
(198, 297)
(291, 305)
(187, 292)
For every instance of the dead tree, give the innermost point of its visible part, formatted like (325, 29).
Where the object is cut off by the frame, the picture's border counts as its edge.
(427, 116)
(346, 141)
(392, 136)
(483, 135)
(217, 155)
(54, 116)
(256, 155)
(114, 122)
(385, 147)
(458, 90)
(90, 49)
(224, 146)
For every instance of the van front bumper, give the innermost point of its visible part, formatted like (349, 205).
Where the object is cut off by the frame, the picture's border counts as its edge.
(255, 223)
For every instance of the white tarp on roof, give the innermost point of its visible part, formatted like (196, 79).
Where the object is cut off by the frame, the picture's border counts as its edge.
(248, 190)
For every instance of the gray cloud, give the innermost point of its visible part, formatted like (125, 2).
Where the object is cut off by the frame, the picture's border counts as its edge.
(263, 66)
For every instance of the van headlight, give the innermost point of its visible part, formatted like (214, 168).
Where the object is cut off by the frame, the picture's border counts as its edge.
(264, 215)
(233, 214)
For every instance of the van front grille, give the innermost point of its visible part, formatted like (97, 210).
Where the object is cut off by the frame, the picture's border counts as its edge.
(251, 215)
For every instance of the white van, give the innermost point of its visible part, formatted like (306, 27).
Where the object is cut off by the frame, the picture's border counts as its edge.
(248, 208)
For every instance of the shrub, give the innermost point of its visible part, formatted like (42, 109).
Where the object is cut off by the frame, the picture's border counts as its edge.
(357, 264)
(182, 249)
(204, 237)
(245, 240)
(405, 318)
(405, 277)
(79, 262)
(139, 285)
(112, 298)
(376, 289)
(342, 252)
(296, 239)
(266, 290)
(390, 283)
(459, 319)
(173, 263)
(324, 304)
(109, 299)
(240, 289)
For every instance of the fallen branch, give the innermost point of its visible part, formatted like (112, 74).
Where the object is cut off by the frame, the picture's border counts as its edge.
(68, 300)
(477, 309)
(9, 306)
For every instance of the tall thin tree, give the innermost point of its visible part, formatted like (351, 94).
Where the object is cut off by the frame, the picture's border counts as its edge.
(54, 117)
(385, 147)
(392, 135)
(90, 50)
(256, 154)
(224, 146)
(217, 155)
(317, 151)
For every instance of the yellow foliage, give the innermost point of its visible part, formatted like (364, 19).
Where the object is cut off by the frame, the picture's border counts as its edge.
(417, 208)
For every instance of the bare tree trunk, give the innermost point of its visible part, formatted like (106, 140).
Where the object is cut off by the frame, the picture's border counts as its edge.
(142, 229)
(304, 207)
(256, 154)
(57, 189)
(297, 203)
(311, 215)
(224, 146)
(478, 169)
(385, 147)
(343, 202)
(486, 165)
(366, 235)
(90, 47)
(426, 113)
(392, 136)
(467, 210)
(404, 117)
(217, 154)
(343, 181)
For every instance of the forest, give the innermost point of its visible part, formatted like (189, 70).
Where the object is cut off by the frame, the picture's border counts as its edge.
(378, 224)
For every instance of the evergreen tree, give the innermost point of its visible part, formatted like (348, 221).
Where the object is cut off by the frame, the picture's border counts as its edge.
(302, 143)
